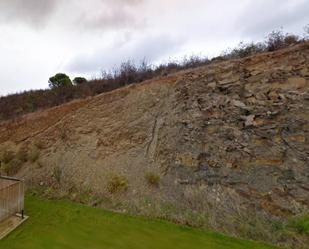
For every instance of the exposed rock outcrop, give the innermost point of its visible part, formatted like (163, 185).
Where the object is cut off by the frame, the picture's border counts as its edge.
(229, 141)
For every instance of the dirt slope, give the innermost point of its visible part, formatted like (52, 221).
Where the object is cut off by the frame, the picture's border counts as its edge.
(229, 142)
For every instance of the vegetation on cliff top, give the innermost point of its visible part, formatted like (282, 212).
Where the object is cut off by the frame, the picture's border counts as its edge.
(62, 90)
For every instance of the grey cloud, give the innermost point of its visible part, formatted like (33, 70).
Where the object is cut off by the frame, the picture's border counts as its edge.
(117, 14)
(95, 14)
(151, 49)
(260, 17)
(157, 29)
(31, 12)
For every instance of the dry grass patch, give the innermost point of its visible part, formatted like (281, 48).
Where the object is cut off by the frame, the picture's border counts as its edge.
(22, 154)
(34, 154)
(6, 156)
(11, 167)
(152, 178)
(117, 183)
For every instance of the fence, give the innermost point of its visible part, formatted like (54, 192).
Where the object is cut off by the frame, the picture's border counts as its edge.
(11, 197)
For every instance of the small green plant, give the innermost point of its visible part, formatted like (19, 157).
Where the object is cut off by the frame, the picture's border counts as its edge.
(57, 173)
(49, 192)
(276, 225)
(117, 183)
(195, 219)
(300, 224)
(34, 154)
(152, 179)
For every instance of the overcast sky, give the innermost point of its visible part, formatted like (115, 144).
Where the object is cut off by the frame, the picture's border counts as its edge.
(39, 38)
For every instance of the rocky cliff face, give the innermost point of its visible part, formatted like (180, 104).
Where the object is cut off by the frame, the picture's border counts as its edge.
(225, 145)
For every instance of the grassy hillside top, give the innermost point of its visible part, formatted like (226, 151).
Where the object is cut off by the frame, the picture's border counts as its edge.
(61, 224)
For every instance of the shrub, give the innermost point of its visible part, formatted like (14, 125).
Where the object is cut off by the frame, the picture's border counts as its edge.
(127, 72)
(59, 80)
(39, 164)
(290, 39)
(63, 133)
(22, 154)
(275, 40)
(79, 80)
(6, 156)
(278, 40)
(194, 61)
(34, 154)
(12, 167)
(152, 179)
(244, 50)
(117, 183)
(301, 224)
(39, 144)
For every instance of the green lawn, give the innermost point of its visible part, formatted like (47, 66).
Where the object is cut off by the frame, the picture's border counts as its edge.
(61, 224)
